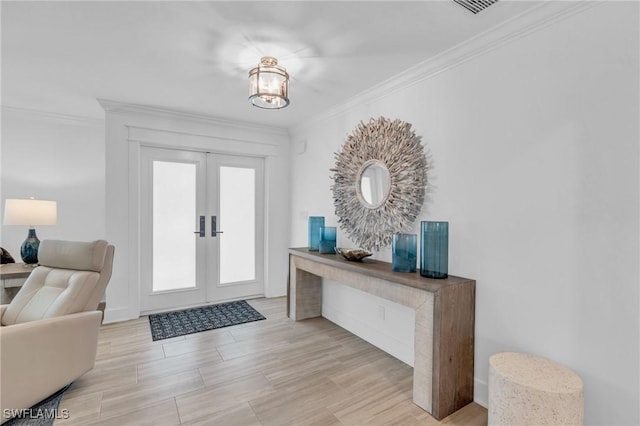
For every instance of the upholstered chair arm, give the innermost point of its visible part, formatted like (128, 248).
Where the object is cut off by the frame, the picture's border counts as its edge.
(43, 355)
(2, 309)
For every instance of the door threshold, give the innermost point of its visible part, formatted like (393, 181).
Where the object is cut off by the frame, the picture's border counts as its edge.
(197, 305)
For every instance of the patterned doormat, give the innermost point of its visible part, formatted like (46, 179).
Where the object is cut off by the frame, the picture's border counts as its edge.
(195, 320)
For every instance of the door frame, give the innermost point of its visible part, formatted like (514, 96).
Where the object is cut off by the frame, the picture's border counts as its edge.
(125, 126)
(171, 140)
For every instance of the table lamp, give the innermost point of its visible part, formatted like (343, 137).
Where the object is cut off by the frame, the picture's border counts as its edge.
(30, 212)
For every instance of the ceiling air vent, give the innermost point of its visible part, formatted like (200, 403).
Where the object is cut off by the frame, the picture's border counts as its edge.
(475, 5)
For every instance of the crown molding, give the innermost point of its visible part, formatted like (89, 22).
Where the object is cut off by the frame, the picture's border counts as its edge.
(116, 107)
(54, 116)
(547, 13)
(151, 135)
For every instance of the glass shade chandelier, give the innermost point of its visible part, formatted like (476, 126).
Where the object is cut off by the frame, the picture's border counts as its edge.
(269, 84)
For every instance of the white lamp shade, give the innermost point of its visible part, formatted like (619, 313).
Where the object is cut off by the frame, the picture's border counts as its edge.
(30, 212)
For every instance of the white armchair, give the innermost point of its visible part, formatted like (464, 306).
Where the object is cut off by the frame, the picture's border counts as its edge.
(49, 332)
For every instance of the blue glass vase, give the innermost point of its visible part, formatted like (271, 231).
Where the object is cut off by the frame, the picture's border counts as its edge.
(404, 249)
(315, 223)
(29, 248)
(328, 239)
(434, 249)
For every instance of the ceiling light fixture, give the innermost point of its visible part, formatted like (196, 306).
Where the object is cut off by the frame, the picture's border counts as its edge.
(269, 84)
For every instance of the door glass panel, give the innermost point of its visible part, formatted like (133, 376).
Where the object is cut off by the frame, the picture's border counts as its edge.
(237, 220)
(174, 216)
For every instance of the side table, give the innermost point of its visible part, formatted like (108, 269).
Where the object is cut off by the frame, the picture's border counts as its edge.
(527, 390)
(12, 276)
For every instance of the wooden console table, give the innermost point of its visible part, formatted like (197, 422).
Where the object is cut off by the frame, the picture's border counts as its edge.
(444, 319)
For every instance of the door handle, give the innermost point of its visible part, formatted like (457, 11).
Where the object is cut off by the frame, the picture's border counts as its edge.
(201, 231)
(214, 225)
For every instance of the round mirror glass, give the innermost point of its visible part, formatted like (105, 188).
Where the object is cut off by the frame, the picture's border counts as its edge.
(374, 184)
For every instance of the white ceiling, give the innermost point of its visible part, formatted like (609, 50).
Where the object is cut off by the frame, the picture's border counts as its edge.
(194, 56)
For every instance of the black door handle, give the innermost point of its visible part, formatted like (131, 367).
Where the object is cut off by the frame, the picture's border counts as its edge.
(201, 231)
(214, 226)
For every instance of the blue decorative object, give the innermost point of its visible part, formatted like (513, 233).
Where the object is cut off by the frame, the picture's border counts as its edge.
(434, 249)
(404, 249)
(328, 239)
(315, 223)
(29, 248)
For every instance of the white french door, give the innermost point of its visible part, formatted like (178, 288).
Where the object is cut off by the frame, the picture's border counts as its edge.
(202, 228)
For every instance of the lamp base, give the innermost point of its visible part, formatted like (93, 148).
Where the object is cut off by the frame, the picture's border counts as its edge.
(29, 248)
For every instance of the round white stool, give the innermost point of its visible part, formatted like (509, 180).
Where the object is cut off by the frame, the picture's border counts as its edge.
(528, 390)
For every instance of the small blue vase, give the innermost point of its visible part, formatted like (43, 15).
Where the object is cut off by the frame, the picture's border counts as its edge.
(434, 249)
(404, 250)
(328, 239)
(315, 223)
(29, 248)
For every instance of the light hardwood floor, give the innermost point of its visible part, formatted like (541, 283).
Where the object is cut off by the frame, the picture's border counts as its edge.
(272, 372)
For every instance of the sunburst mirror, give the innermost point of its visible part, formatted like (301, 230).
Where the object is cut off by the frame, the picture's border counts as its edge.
(379, 181)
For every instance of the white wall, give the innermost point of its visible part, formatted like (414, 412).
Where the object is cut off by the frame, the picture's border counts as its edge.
(127, 128)
(535, 164)
(54, 157)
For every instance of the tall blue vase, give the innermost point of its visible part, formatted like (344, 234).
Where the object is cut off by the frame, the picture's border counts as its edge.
(434, 249)
(404, 250)
(315, 223)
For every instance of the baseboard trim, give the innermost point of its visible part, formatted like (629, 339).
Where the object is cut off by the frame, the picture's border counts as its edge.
(481, 392)
(114, 315)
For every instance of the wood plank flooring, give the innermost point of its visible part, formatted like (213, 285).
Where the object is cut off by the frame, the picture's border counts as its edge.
(272, 372)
